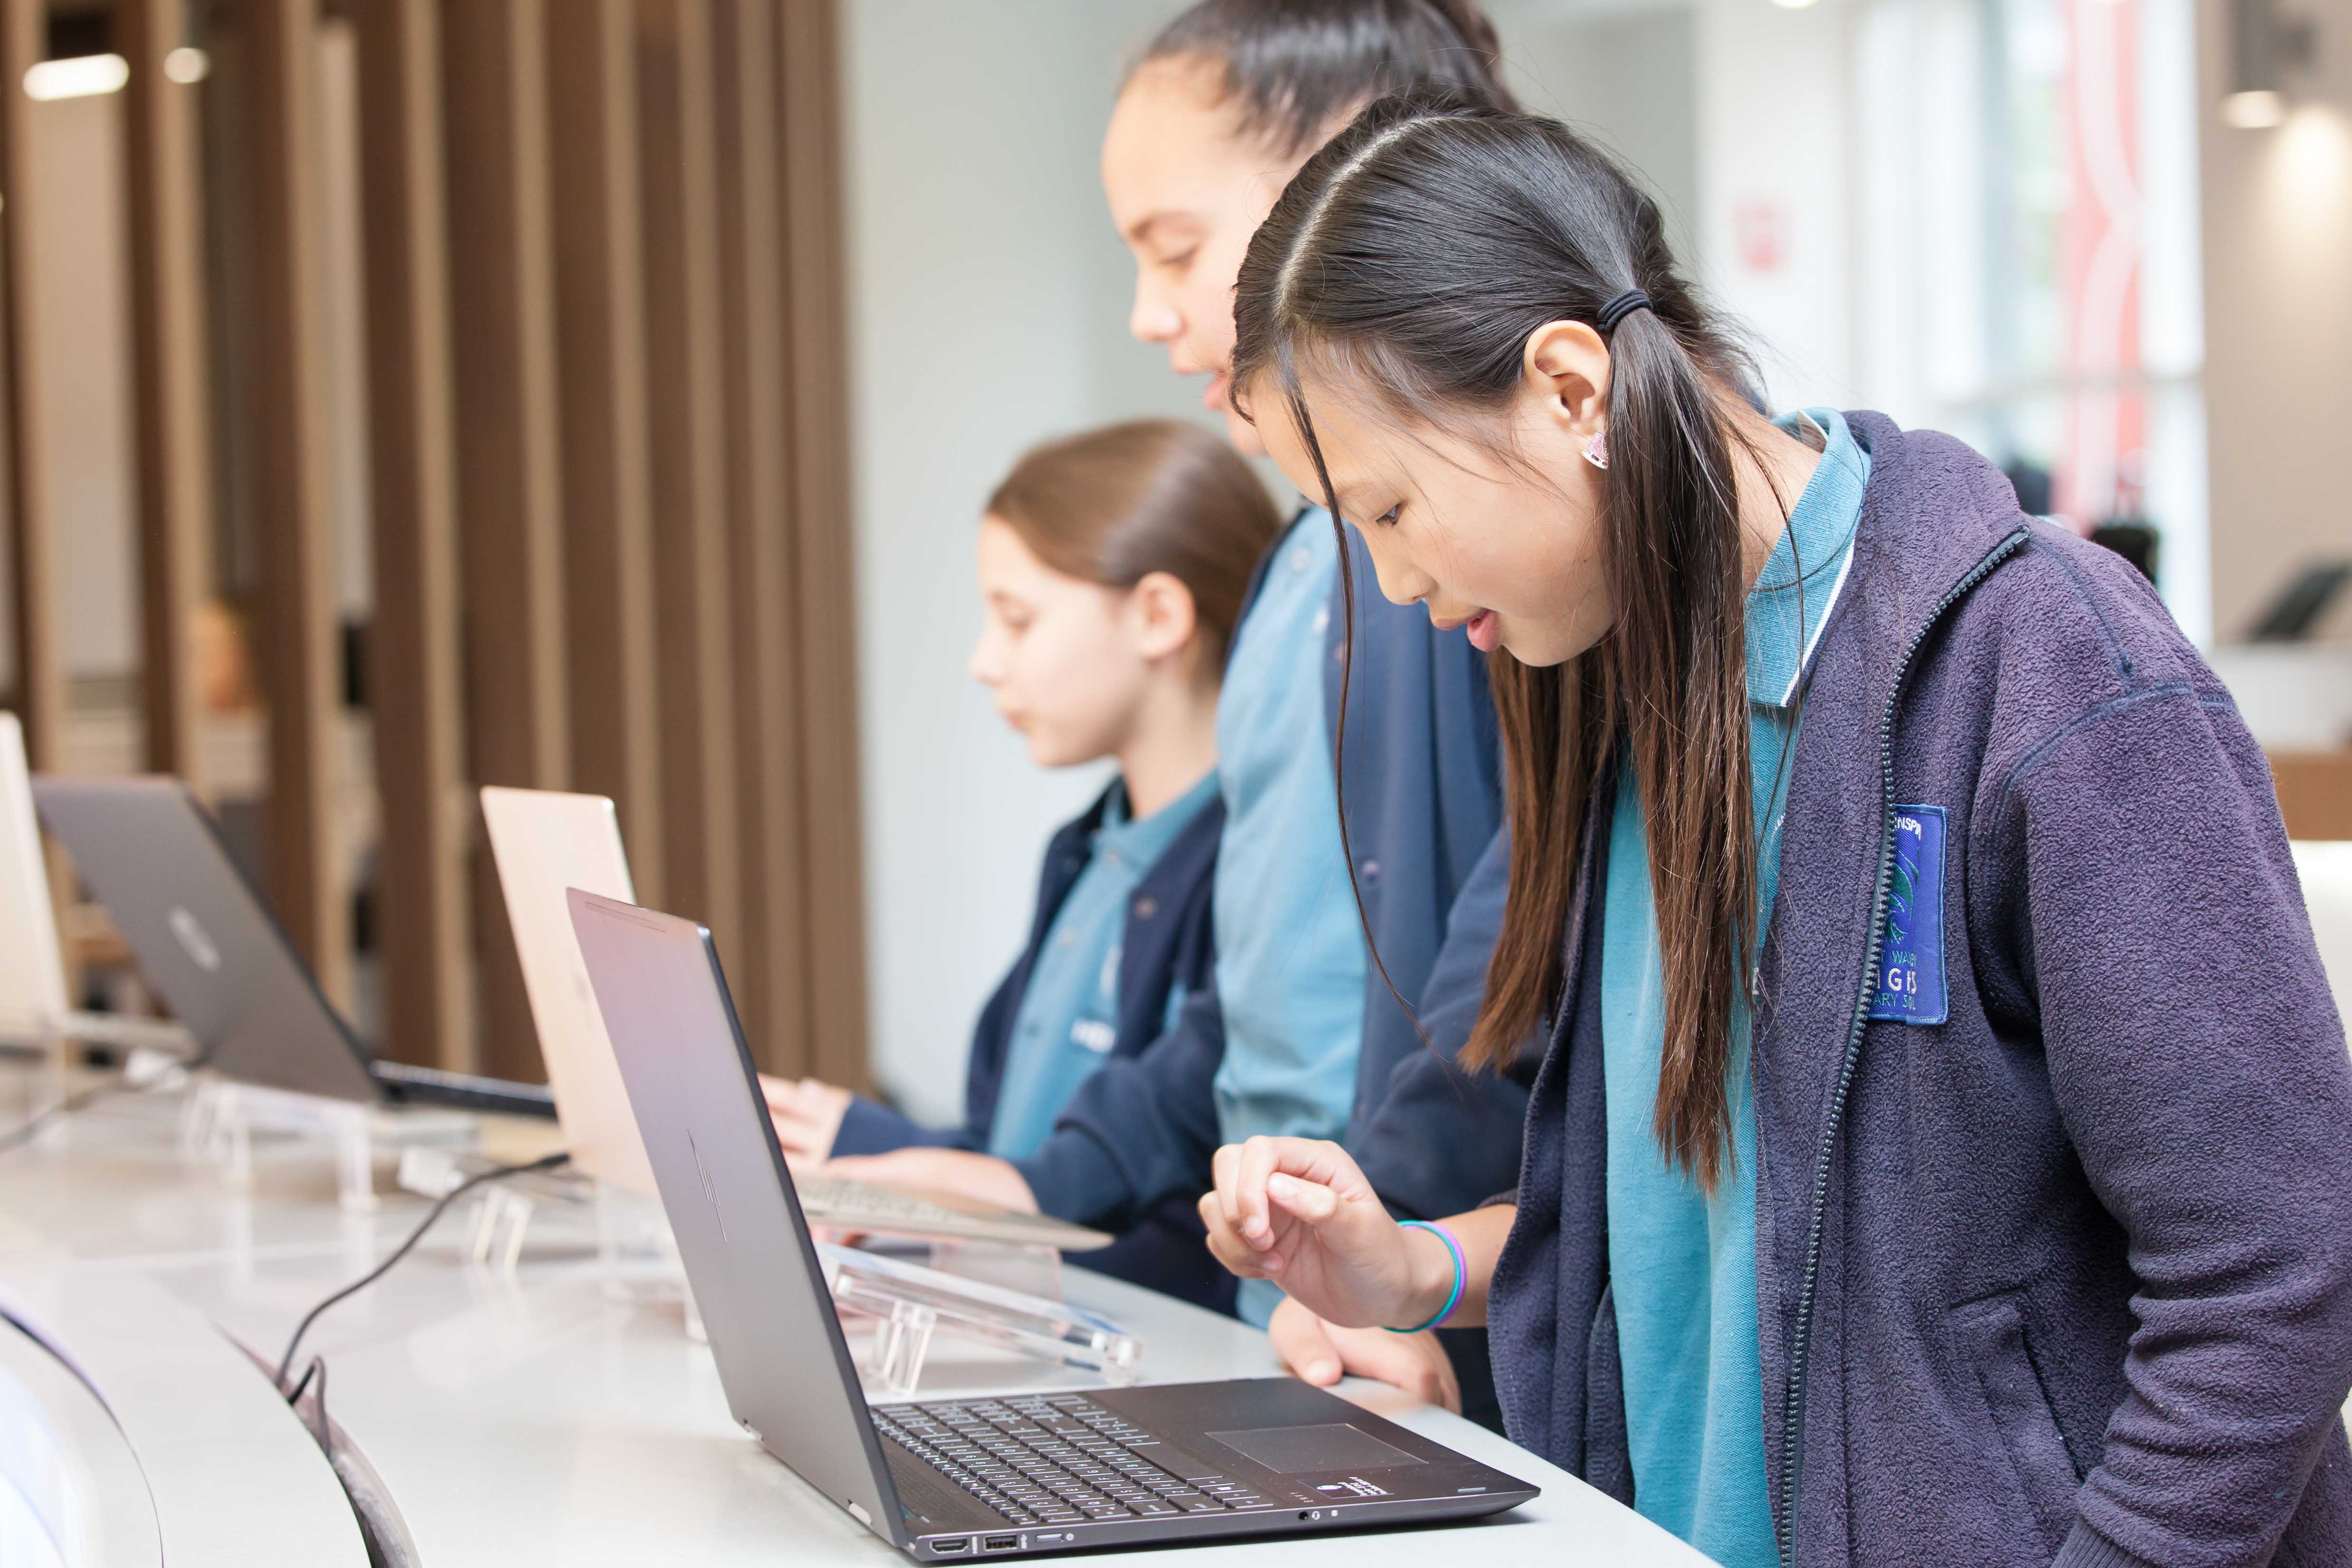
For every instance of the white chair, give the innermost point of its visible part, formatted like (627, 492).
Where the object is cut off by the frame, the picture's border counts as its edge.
(2327, 873)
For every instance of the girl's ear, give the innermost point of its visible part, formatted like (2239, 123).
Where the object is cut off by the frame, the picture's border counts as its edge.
(1161, 616)
(1566, 368)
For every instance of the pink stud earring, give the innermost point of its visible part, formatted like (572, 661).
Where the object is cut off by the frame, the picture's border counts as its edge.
(1596, 451)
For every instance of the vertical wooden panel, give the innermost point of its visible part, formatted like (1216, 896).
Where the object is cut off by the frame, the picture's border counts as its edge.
(502, 299)
(169, 357)
(699, 792)
(767, 703)
(823, 609)
(608, 498)
(298, 643)
(40, 693)
(414, 692)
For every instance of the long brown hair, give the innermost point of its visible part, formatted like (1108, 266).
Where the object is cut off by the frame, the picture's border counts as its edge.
(1410, 259)
(1113, 505)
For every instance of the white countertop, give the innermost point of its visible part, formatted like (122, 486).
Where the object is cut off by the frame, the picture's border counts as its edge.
(556, 1415)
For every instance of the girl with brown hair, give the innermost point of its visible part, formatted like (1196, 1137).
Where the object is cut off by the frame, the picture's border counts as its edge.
(1112, 567)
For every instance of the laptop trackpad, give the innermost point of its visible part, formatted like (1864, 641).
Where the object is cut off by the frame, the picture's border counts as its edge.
(1294, 1450)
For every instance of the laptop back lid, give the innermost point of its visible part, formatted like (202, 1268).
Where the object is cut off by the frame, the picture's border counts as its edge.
(203, 937)
(545, 842)
(748, 1254)
(33, 980)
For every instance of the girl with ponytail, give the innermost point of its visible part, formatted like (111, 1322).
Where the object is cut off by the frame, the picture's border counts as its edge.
(1942, 1151)
(1306, 1029)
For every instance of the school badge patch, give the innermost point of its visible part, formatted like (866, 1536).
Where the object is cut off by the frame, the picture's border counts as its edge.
(1911, 959)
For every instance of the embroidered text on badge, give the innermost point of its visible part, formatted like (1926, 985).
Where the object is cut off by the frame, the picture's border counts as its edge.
(1911, 960)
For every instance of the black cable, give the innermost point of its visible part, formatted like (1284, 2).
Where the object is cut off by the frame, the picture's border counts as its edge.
(24, 1132)
(494, 1174)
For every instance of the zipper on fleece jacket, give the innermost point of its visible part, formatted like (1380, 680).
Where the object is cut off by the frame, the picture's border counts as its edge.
(1793, 1414)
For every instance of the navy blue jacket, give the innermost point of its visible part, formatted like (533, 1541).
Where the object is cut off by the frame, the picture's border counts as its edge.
(2066, 1277)
(1170, 942)
(1423, 793)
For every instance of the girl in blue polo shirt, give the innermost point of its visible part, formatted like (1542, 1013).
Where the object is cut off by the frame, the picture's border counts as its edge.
(1112, 567)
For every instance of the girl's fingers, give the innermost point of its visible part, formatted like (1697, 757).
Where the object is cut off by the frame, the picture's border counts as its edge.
(1310, 1201)
(1258, 1163)
(1302, 1342)
(1225, 1166)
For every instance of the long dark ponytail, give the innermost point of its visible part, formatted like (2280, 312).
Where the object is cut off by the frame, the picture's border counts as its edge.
(1413, 257)
(1293, 67)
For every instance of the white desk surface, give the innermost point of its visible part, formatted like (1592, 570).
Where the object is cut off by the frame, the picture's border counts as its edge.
(543, 1417)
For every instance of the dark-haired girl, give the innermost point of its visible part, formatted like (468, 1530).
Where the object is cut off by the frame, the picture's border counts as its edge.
(1112, 565)
(1943, 1152)
(1301, 1033)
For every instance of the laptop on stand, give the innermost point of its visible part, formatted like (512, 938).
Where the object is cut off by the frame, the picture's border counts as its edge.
(546, 843)
(946, 1480)
(205, 939)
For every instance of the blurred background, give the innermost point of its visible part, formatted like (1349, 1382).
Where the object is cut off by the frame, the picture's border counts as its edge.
(410, 394)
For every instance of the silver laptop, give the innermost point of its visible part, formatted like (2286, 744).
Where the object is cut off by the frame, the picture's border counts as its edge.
(207, 942)
(947, 1478)
(546, 843)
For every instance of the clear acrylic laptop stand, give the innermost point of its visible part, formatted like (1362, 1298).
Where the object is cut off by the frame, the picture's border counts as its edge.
(910, 1303)
(219, 1118)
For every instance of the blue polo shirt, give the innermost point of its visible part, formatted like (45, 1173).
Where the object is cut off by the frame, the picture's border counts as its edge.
(1290, 946)
(1068, 1017)
(1682, 1265)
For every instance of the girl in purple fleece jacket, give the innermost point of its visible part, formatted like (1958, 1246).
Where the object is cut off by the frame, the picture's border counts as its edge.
(1943, 1151)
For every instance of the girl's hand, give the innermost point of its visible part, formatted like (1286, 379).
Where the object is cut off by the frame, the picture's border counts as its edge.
(1299, 1212)
(1322, 1352)
(961, 1171)
(807, 1114)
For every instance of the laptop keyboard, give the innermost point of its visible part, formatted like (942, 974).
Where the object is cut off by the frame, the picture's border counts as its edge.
(1057, 1458)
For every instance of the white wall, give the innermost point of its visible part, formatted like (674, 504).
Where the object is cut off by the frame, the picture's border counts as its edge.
(989, 300)
(2278, 324)
(1624, 72)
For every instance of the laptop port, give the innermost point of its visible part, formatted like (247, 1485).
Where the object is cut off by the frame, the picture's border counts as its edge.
(999, 1543)
(950, 1548)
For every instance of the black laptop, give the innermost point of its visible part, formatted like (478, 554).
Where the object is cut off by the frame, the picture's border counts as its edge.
(207, 943)
(960, 1477)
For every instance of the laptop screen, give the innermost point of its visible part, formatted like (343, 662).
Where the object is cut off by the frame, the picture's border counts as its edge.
(749, 1258)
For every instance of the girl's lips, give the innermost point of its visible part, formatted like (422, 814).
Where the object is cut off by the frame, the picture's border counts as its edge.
(1486, 633)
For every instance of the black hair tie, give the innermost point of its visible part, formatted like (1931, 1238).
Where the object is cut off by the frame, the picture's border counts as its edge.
(1617, 310)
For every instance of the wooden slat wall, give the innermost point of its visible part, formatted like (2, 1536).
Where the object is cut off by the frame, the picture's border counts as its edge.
(298, 649)
(170, 350)
(608, 525)
(417, 698)
(600, 294)
(752, 260)
(823, 609)
(689, 466)
(39, 697)
(509, 464)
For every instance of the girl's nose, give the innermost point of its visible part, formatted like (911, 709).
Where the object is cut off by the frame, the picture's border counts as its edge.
(1153, 321)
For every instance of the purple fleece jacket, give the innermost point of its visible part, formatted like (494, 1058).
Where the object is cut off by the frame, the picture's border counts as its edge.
(2069, 1276)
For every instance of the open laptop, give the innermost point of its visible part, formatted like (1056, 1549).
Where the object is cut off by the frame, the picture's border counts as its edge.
(207, 943)
(35, 1009)
(546, 843)
(947, 1478)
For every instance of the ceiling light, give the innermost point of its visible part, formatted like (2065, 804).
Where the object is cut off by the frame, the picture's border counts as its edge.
(187, 66)
(83, 76)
